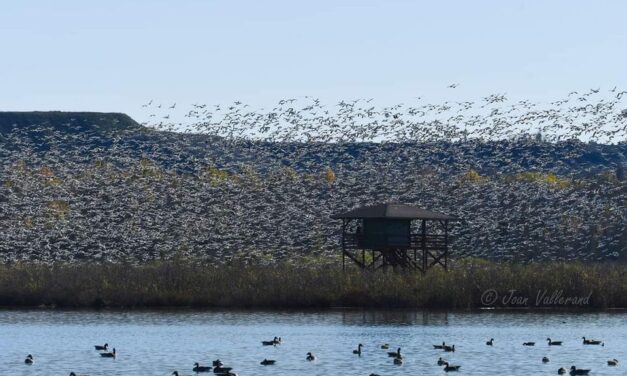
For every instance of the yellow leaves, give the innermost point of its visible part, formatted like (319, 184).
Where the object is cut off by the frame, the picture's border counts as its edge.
(289, 172)
(46, 172)
(28, 222)
(54, 182)
(148, 168)
(473, 176)
(329, 176)
(215, 175)
(58, 209)
(545, 178)
(49, 177)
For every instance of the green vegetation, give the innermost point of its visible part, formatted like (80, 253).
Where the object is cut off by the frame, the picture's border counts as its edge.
(181, 284)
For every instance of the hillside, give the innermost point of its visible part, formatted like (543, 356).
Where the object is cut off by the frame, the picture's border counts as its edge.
(70, 122)
(115, 191)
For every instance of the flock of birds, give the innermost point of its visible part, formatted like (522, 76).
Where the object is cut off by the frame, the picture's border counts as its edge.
(219, 368)
(530, 181)
(592, 114)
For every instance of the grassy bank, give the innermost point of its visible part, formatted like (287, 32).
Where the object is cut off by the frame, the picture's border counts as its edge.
(284, 286)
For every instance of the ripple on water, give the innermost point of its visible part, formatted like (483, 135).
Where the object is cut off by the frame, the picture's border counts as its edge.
(156, 343)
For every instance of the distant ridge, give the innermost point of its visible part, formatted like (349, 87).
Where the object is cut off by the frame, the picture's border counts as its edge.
(67, 121)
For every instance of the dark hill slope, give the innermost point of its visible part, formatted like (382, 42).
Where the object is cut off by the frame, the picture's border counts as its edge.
(70, 122)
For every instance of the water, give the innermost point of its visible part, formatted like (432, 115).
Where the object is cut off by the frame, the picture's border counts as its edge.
(157, 343)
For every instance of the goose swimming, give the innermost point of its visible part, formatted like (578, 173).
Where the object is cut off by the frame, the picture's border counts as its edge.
(395, 354)
(311, 357)
(108, 354)
(576, 371)
(29, 359)
(449, 368)
(102, 348)
(222, 370)
(274, 342)
(358, 351)
(591, 341)
(198, 368)
(267, 362)
(554, 343)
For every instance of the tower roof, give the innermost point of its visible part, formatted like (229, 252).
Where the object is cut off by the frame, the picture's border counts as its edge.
(393, 211)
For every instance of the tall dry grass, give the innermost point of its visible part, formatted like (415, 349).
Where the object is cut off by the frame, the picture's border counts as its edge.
(182, 284)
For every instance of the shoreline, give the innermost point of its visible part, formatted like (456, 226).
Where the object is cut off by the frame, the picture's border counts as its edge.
(470, 286)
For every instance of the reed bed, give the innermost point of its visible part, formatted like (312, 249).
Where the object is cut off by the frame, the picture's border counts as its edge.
(184, 284)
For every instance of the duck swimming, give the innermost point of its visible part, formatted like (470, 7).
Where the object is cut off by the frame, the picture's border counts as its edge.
(267, 362)
(442, 361)
(561, 371)
(385, 346)
(612, 362)
(29, 359)
(311, 357)
(398, 361)
(217, 363)
(529, 343)
(545, 359)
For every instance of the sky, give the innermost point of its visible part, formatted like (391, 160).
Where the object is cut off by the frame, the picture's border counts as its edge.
(116, 55)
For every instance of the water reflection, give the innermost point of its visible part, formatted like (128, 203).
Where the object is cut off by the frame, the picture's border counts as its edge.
(394, 318)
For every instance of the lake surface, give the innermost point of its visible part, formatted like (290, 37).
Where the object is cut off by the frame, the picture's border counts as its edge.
(157, 343)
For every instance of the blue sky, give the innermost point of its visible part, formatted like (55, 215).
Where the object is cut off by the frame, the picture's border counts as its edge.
(115, 55)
